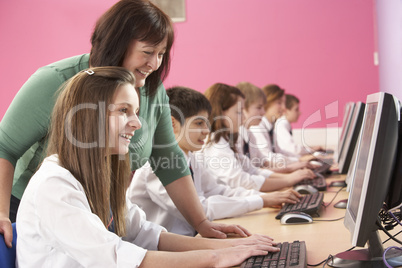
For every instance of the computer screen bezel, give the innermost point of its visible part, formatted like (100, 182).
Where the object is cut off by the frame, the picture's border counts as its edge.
(349, 107)
(351, 137)
(352, 168)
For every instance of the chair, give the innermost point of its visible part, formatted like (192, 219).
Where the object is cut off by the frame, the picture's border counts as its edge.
(8, 255)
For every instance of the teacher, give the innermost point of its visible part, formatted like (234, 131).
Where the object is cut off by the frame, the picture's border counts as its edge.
(134, 34)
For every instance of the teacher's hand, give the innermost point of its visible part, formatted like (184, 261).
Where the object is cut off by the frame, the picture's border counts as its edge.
(6, 230)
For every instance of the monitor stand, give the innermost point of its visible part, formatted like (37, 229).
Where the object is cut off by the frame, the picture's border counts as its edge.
(365, 258)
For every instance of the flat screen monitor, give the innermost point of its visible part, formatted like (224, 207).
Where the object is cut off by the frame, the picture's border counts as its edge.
(393, 201)
(372, 176)
(349, 107)
(351, 137)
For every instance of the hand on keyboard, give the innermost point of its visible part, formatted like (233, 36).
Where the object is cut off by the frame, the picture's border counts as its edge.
(298, 165)
(235, 251)
(291, 255)
(233, 256)
(276, 199)
(309, 204)
(300, 175)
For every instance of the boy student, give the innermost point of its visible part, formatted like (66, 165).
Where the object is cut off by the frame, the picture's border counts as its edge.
(283, 135)
(190, 110)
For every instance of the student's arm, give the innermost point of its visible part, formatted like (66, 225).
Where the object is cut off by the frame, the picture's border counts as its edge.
(183, 194)
(201, 252)
(291, 167)
(147, 191)
(279, 181)
(6, 181)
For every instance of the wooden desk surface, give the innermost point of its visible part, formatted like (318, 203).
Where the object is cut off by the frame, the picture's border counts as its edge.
(322, 237)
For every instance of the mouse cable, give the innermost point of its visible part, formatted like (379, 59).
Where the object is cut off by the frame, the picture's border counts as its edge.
(330, 257)
(330, 202)
(331, 219)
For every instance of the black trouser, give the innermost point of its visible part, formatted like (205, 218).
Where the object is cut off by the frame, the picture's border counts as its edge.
(14, 203)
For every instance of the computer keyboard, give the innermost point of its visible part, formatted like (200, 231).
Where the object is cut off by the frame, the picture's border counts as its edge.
(319, 183)
(309, 204)
(323, 169)
(292, 255)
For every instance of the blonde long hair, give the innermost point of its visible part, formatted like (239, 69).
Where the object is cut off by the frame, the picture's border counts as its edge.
(79, 135)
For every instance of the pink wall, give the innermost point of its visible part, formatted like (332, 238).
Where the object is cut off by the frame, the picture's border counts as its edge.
(322, 51)
(389, 17)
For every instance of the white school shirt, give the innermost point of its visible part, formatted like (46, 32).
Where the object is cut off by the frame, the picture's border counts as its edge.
(56, 227)
(261, 148)
(285, 143)
(219, 201)
(230, 169)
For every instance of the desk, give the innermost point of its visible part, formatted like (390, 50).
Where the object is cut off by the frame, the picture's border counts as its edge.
(322, 238)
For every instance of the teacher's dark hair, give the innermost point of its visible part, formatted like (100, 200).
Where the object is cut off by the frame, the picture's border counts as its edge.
(124, 22)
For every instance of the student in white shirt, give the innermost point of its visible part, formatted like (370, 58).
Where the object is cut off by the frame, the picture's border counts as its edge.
(254, 102)
(221, 153)
(254, 110)
(283, 135)
(190, 110)
(74, 211)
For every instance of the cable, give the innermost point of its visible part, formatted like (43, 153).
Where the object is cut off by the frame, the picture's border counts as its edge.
(386, 231)
(389, 219)
(331, 219)
(336, 194)
(327, 259)
(330, 257)
(390, 238)
(314, 265)
(385, 252)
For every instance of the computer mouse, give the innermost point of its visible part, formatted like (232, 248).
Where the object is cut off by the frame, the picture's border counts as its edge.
(305, 189)
(316, 163)
(296, 218)
(318, 154)
(338, 184)
(341, 203)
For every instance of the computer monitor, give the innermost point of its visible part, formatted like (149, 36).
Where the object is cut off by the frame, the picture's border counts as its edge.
(374, 165)
(351, 137)
(393, 201)
(351, 170)
(349, 107)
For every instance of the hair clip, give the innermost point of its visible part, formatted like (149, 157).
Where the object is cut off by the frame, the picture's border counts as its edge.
(90, 72)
